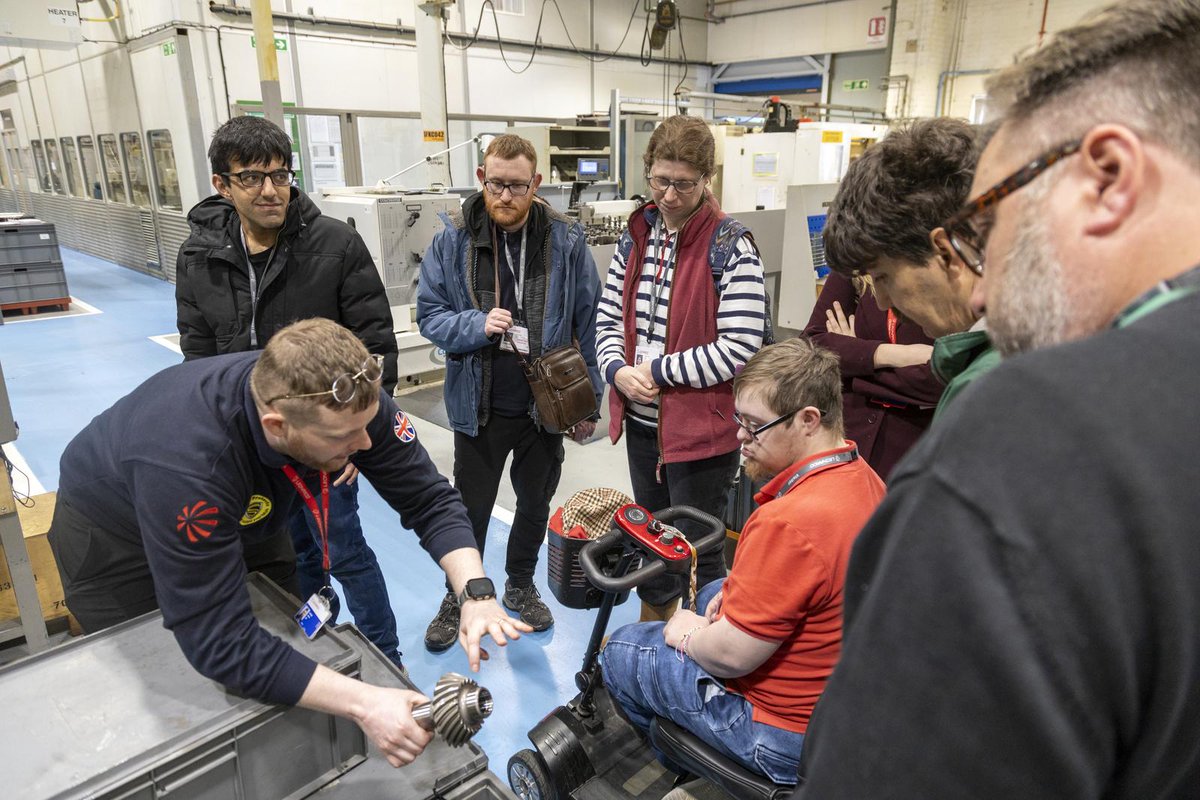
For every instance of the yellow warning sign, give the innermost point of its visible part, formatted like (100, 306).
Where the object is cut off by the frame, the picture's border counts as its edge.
(434, 136)
(831, 137)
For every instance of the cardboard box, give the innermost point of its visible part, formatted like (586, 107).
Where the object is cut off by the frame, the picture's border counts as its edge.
(35, 522)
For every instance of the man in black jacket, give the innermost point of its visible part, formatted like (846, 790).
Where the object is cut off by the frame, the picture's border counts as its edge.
(260, 257)
(1023, 610)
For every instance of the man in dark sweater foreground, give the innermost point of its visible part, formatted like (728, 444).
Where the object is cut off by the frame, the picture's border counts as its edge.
(168, 498)
(1023, 611)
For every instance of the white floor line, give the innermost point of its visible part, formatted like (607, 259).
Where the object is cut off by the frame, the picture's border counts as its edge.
(19, 463)
(87, 307)
(78, 309)
(504, 515)
(169, 341)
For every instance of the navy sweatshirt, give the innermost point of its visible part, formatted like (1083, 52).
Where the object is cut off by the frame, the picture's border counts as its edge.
(181, 465)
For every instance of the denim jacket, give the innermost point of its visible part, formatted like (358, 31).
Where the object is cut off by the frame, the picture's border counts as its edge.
(451, 315)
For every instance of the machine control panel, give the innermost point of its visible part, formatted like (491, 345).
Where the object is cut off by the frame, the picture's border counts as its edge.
(662, 541)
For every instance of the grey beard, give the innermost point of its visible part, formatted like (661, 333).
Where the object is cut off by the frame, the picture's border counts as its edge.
(1028, 310)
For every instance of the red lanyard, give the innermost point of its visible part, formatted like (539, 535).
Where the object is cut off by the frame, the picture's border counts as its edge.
(893, 323)
(663, 264)
(321, 515)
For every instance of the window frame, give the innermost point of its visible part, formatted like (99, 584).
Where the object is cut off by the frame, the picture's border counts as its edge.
(123, 199)
(54, 163)
(159, 189)
(90, 180)
(40, 165)
(70, 160)
(135, 137)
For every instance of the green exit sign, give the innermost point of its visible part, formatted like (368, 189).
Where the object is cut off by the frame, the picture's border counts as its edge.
(280, 43)
(168, 48)
(856, 86)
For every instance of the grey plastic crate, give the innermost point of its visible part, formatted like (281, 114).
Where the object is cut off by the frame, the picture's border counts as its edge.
(28, 241)
(27, 283)
(121, 714)
(33, 274)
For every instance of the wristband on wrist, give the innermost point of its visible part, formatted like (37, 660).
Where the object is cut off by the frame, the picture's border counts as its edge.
(681, 651)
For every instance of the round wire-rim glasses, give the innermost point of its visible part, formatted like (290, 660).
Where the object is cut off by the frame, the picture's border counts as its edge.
(345, 386)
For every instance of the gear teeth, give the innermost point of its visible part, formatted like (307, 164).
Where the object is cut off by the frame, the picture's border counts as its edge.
(458, 708)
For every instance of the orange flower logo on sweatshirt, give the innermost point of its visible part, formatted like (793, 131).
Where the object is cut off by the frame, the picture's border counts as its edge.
(198, 520)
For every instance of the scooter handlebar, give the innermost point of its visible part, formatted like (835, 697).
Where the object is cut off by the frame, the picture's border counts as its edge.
(593, 553)
(714, 538)
(590, 555)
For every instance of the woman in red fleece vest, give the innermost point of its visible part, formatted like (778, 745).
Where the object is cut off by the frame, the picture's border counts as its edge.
(672, 329)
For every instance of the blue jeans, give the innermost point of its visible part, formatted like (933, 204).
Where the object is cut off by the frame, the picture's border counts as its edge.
(644, 674)
(351, 561)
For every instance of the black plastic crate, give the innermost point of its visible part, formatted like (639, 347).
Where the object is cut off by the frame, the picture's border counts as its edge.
(565, 575)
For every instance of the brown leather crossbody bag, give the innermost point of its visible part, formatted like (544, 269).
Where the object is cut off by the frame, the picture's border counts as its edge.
(558, 378)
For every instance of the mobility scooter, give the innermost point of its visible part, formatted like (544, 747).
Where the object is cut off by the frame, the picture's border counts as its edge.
(587, 749)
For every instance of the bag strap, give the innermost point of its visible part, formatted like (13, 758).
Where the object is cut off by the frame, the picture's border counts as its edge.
(724, 239)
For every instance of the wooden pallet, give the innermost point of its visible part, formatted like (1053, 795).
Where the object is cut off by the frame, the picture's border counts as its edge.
(37, 306)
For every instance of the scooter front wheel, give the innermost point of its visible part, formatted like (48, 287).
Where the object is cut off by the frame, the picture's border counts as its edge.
(528, 777)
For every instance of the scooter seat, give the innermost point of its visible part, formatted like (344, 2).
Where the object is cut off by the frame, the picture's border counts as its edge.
(700, 759)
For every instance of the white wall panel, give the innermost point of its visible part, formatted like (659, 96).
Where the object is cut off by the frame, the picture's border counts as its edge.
(357, 75)
(109, 88)
(954, 36)
(70, 118)
(809, 30)
(142, 15)
(241, 68)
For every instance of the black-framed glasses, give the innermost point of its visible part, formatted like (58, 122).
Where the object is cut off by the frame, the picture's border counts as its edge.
(968, 234)
(661, 184)
(756, 430)
(254, 179)
(345, 386)
(515, 189)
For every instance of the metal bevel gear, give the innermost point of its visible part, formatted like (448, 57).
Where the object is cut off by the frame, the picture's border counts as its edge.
(458, 709)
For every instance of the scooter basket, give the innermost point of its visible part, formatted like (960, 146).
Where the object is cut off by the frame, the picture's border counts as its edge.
(566, 578)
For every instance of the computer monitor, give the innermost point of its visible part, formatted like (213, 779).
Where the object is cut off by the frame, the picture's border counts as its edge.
(591, 169)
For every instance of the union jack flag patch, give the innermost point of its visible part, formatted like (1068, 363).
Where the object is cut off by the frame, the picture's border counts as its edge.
(403, 427)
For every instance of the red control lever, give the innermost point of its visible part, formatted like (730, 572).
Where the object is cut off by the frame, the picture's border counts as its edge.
(661, 541)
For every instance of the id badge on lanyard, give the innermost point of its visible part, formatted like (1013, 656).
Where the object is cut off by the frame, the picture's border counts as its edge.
(316, 611)
(519, 333)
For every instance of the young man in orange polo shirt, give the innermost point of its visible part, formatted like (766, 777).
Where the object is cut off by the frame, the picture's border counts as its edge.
(745, 672)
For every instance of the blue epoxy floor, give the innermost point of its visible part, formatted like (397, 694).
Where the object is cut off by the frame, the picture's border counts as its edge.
(61, 372)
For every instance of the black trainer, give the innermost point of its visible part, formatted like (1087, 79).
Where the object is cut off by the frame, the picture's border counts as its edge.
(443, 631)
(527, 601)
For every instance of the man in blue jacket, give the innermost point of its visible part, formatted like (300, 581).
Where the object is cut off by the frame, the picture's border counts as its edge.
(547, 295)
(168, 498)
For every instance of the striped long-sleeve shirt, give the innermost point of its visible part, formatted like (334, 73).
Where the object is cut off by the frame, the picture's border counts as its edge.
(740, 315)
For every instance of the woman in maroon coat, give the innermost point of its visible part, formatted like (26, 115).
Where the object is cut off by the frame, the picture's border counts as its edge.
(888, 390)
